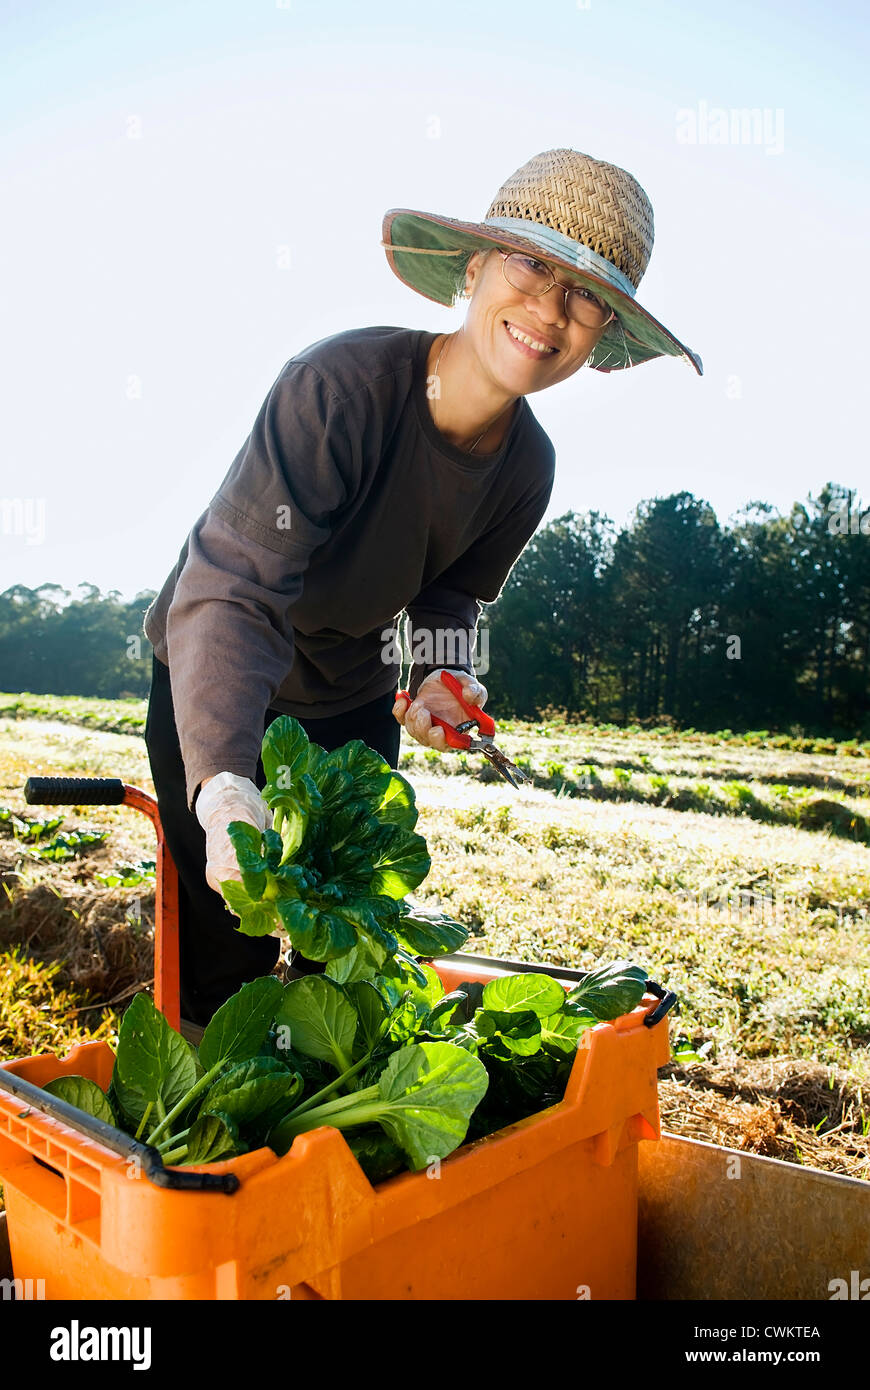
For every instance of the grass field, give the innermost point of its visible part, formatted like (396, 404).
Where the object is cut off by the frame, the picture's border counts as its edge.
(735, 869)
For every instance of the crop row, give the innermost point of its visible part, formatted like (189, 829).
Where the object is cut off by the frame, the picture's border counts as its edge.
(128, 716)
(781, 805)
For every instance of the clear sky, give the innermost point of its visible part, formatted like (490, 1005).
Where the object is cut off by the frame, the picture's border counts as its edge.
(160, 162)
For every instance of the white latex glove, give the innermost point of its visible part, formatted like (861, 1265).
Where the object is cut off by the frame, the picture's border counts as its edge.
(224, 798)
(433, 697)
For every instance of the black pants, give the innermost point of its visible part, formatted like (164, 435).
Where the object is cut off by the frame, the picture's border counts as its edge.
(216, 959)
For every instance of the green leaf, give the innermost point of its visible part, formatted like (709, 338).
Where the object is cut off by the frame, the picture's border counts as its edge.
(251, 1089)
(292, 881)
(372, 1011)
(299, 803)
(273, 849)
(353, 865)
(562, 1031)
(373, 916)
(403, 969)
(239, 1028)
(319, 935)
(611, 990)
(376, 1153)
(255, 918)
(397, 806)
(518, 993)
(521, 1086)
(440, 1016)
(473, 990)
(430, 1090)
(284, 751)
(212, 1137)
(464, 1035)
(401, 861)
(371, 774)
(428, 933)
(84, 1095)
(352, 826)
(425, 996)
(321, 1019)
(416, 1001)
(363, 961)
(153, 1062)
(247, 841)
(515, 1032)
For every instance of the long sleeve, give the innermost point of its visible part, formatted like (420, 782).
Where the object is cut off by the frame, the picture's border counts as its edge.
(442, 630)
(230, 644)
(444, 615)
(229, 630)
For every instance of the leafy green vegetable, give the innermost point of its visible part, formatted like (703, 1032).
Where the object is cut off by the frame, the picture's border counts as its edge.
(373, 1046)
(248, 1090)
(84, 1094)
(407, 1070)
(68, 844)
(426, 932)
(239, 1027)
(342, 855)
(154, 1066)
(372, 1009)
(611, 990)
(376, 1153)
(321, 1018)
(423, 1099)
(236, 1032)
(562, 1032)
(444, 1011)
(31, 829)
(211, 1137)
(518, 993)
(129, 875)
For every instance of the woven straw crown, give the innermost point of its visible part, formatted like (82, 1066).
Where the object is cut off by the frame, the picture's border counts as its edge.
(574, 212)
(586, 199)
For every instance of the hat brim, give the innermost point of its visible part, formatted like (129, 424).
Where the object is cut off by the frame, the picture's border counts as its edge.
(634, 337)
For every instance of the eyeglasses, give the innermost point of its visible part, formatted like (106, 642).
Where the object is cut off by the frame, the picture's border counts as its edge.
(533, 277)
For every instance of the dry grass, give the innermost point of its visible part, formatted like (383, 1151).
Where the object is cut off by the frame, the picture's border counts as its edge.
(102, 939)
(783, 1109)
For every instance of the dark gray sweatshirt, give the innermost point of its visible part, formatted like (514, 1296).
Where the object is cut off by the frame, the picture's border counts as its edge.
(345, 507)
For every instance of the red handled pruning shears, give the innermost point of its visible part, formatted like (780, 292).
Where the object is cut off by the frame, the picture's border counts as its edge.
(458, 736)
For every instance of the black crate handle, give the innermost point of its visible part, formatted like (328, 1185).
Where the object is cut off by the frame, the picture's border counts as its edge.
(74, 791)
(668, 1000)
(114, 1139)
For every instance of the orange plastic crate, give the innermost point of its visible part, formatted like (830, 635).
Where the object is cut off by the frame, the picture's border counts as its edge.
(545, 1209)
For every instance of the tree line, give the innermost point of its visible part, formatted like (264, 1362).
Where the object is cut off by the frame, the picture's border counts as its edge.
(762, 623)
(52, 643)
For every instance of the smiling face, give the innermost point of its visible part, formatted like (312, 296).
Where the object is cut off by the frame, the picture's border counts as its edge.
(499, 317)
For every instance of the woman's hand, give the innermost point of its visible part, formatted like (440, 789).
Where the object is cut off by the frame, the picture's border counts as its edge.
(224, 798)
(433, 697)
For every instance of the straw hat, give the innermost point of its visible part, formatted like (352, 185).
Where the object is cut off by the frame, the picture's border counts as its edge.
(583, 214)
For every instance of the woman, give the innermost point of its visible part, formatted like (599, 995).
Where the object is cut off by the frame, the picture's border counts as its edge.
(388, 470)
